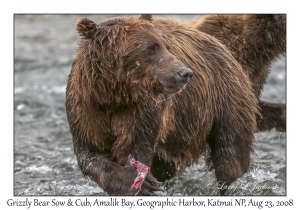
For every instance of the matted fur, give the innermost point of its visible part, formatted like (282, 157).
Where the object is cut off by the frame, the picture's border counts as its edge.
(115, 107)
(255, 41)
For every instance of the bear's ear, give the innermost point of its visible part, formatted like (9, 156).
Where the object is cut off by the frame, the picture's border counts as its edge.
(146, 17)
(86, 27)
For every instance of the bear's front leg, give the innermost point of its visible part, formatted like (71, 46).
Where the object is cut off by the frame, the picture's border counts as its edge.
(273, 115)
(122, 183)
(231, 143)
(102, 144)
(111, 176)
(136, 130)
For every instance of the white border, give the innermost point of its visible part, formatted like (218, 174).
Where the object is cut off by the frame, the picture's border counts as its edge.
(186, 6)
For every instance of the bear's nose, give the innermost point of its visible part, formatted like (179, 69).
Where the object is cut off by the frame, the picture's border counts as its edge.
(184, 74)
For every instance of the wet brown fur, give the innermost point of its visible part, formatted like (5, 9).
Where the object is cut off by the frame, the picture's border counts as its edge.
(115, 108)
(255, 42)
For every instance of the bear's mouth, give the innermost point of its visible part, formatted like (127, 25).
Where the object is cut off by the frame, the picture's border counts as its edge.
(177, 82)
(170, 88)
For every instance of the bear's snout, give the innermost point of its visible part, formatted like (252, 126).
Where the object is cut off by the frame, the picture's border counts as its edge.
(176, 81)
(184, 75)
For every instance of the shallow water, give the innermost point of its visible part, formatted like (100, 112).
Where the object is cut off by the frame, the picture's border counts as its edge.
(44, 162)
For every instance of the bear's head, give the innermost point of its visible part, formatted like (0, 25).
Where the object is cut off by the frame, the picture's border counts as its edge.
(121, 60)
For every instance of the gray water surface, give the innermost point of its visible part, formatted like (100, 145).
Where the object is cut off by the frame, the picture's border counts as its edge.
(44, 161)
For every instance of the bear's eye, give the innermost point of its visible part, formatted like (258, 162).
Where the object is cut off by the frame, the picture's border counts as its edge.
(152, 49)
(168, 47)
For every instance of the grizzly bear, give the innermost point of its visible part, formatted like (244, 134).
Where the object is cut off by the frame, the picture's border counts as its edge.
(255, 40)
(163, 95)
